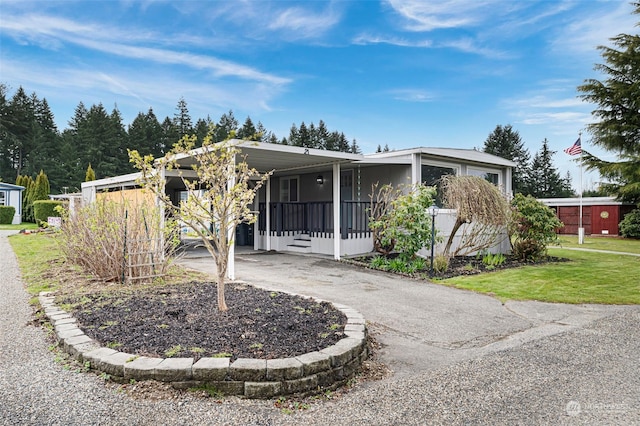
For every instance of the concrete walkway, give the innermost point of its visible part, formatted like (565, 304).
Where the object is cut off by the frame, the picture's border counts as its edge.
(621, 253)
(421, 325)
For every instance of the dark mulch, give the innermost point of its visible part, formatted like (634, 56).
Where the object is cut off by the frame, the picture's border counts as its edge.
(469, 265)
(184, 321)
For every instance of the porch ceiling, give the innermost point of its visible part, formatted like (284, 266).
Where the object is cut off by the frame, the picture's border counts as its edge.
(266, 157)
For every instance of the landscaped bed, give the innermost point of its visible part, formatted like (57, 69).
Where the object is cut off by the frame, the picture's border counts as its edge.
(465, 265)
(184, 321)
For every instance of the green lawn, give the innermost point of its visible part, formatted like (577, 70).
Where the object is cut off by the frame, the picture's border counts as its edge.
(587, 278)
(602, 243)
(24, 225)
(35, 253)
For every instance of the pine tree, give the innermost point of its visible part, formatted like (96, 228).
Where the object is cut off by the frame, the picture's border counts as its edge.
(507, 143)
(90, 175)
(182, 119)
(227, 127)
(618, 128)
(544, 180)
(248, 130)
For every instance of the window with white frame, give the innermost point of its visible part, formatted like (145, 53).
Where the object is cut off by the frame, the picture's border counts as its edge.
(289, 189)
(3, 198)
(431, 173)
(491, 175)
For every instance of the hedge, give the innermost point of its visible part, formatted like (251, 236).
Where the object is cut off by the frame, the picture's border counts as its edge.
(42, 209)
(6, 214)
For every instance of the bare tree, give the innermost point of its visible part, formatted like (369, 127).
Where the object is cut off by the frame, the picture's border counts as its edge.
(380, 208)
(219, 197)
(482, 212)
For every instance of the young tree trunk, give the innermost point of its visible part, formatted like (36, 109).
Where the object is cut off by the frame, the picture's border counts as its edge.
(222, 272)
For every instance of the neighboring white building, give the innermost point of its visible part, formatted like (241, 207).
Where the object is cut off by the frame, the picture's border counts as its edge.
(11, 195)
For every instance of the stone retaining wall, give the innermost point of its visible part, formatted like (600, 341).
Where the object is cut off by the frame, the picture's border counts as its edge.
(251, 378)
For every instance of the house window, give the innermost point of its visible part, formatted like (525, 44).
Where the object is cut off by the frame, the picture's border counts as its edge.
(432, 173)
(289, 189)
(3, 198)
(489, 175)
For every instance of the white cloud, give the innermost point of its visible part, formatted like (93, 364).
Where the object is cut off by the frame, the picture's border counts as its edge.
(52, 32)
(430, 15)
(595, 26)
(364, 39)
(302, 23)
(411, 95)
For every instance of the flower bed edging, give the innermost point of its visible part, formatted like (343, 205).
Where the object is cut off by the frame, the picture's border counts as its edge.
(248, 377)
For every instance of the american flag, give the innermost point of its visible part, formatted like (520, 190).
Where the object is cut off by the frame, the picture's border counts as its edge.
(575, 149)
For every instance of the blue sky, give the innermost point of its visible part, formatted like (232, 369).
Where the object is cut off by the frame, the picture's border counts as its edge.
(405, 73)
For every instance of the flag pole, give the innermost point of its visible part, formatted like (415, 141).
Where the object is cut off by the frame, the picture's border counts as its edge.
(580, 228)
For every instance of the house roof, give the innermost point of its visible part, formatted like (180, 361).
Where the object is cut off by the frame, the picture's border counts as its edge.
(266, 157)
(466, 155)
(586, 201)
(11, 187)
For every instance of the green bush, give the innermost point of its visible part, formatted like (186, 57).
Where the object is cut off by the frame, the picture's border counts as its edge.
(42, 209)
(6, 214)
(630, 225)
(533, 227)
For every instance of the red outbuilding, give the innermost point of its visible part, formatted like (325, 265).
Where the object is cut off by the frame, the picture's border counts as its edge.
(600, 215)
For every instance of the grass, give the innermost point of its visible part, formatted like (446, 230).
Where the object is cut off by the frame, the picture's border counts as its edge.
(35, 253)
(24, 225)
(626, 245)
(586, 278)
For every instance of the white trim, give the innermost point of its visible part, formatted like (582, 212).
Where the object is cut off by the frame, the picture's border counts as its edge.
(486, 170)
(336, 211)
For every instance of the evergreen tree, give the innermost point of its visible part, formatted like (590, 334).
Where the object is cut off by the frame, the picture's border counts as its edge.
(202, 129)
(618, 128)
(386, 148)
(293, 136)
(354, 149)
(323, 135)
(544, 180)
(169, 135)
(506, 143)
(90, 175)
(304, 138)
(379, 148)
(182, 119)
(248, 131)
(145, 134)
(227, 127)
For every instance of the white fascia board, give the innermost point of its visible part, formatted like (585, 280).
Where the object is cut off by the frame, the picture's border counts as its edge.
(130, 178)
(586, 201)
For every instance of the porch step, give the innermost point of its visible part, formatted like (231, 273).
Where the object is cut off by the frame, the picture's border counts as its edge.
(301, 244)
(298, 249)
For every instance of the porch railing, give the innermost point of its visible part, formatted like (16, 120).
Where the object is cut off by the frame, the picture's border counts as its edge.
(316, 219)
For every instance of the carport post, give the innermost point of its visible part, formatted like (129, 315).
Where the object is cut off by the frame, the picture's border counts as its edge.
(336, 211)
(231, 230)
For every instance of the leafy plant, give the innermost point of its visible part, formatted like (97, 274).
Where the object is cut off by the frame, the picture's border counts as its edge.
(533, 227)
(379, 262)
(491, 261)
(405, 226)
(630, 225)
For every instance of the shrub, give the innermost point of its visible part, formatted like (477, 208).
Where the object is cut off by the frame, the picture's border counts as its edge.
(440, 264)
(6, 214)
(630, 225)
(42, 209)
(113, 240)
(406, 226)
(533, 227)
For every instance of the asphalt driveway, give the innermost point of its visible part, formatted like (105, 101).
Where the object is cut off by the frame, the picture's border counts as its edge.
(421, 326)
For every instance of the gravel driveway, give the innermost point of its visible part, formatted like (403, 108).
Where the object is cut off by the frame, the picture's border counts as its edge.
(588, 374)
